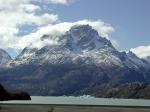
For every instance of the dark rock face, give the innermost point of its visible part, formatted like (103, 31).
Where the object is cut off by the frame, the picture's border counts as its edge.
(84, 37)
(5, 95)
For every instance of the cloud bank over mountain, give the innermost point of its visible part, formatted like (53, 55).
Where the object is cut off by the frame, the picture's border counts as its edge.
(142, 51)
(34, 39)
(16, 16)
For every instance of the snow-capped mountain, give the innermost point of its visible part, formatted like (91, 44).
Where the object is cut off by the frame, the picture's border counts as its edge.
(81, 59)
(75, 43)
(4, 57)
(81, 44)
(78, 43)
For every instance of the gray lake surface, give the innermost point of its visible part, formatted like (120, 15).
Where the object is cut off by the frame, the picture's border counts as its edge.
(83, 100)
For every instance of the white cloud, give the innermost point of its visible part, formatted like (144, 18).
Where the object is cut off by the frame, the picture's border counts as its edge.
(16, 13)
(141, 51)
(114, 43)
(63, 2)
(12, 4)
(29, 7)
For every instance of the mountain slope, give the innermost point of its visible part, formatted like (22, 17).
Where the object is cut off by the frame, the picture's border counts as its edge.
(82, 59)
(4, 57)
(128, 91)
(148, 59)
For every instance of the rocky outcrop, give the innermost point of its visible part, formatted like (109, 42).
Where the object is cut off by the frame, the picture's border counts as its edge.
(5, 95)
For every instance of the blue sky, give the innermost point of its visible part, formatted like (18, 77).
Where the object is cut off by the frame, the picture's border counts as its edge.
(129, 18)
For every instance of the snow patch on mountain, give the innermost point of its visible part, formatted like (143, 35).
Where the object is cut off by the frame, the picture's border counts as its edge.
(136, 61)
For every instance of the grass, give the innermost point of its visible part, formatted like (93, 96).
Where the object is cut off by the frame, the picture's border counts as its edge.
(51, 109)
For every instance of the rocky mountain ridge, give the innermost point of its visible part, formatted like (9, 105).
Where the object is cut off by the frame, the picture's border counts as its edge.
(82, 59)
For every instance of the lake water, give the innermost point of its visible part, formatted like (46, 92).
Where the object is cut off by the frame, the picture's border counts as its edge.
(75, 104)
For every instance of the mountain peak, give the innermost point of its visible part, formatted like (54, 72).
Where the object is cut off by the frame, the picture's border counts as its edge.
(84, 37)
